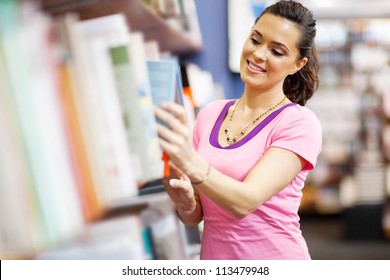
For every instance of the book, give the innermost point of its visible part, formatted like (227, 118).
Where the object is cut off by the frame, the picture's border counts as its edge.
(136, 100)
(202, 85)
(20, 223)
(166, 232)
(191, 21)
(117, 238)
(166, 86)
(166, 78)
(180, 14)
(107, 133)
(87, 107)
(40, 122)
(77, 143)
(18, 215)
(189, 102)
(152, 50)
(165, 81)
(186, 85)
(55, 183)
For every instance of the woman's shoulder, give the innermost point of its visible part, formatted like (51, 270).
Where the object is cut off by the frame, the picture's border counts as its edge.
(299, 109)
(298, 115)
(299, 112)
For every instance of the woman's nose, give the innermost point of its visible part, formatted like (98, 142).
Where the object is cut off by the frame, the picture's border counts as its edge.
(260, 53)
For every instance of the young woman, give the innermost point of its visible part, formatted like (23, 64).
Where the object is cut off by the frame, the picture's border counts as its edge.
(243, 167)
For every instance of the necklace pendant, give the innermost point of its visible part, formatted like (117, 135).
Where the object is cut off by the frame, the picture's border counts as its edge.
(233, 140)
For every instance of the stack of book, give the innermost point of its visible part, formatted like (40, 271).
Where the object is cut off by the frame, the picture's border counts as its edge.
(77, 124)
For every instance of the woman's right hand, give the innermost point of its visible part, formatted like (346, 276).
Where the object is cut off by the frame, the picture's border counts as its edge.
(179, 188)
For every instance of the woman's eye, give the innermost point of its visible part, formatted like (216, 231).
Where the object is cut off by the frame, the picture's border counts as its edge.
(277, 53)
(254, 41)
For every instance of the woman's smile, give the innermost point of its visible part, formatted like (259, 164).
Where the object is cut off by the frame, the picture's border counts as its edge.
(254, 68)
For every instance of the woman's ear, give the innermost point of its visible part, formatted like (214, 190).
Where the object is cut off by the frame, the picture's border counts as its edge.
(299, 64)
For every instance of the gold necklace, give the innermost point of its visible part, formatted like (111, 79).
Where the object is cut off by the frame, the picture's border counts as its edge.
(232, 140)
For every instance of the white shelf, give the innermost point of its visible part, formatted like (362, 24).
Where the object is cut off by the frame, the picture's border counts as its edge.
(138, 201)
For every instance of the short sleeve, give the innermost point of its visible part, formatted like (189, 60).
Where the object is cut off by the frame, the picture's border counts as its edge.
(300, 133)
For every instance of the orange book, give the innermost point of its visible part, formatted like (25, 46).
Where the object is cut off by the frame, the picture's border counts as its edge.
(186, 85)
(165, 158)
(84, 179)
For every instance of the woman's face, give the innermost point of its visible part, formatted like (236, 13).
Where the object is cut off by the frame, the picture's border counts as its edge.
(270, 53)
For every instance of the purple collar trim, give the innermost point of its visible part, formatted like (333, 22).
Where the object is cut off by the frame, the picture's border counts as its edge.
(214, 132)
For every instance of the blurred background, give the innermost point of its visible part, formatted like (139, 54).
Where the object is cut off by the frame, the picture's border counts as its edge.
(345, 211)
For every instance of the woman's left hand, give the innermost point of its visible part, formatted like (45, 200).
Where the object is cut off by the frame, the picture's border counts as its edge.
(176, 139)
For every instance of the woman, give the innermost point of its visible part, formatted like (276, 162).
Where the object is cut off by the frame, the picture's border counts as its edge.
(248, 160)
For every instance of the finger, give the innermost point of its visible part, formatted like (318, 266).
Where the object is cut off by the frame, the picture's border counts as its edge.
(175, 170)
(178, 172)
(182, 186)
(167, 147)
(166, 117)
(173, 122)
(184, 177)
(167, 134)
(177, 141)
(177, 110)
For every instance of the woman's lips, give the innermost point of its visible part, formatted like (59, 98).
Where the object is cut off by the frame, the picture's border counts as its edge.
(255, 68)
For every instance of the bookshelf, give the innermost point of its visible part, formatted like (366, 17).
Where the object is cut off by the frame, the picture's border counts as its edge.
(131, 204)
(140, 17)
(143, 227)
(67, 184)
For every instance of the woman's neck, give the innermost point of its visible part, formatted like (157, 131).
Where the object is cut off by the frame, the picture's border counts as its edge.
(253, 99)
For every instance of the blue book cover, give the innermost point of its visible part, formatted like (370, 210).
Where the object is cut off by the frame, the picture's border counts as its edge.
(165, 81)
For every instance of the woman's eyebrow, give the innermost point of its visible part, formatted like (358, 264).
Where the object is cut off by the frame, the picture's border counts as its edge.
(273, 42)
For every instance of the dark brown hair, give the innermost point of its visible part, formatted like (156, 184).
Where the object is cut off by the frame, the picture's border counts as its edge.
(300, 86)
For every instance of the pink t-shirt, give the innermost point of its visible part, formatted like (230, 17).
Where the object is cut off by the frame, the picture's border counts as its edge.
(272, 231)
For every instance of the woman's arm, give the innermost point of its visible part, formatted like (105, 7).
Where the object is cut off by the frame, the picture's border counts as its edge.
(276, 169)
